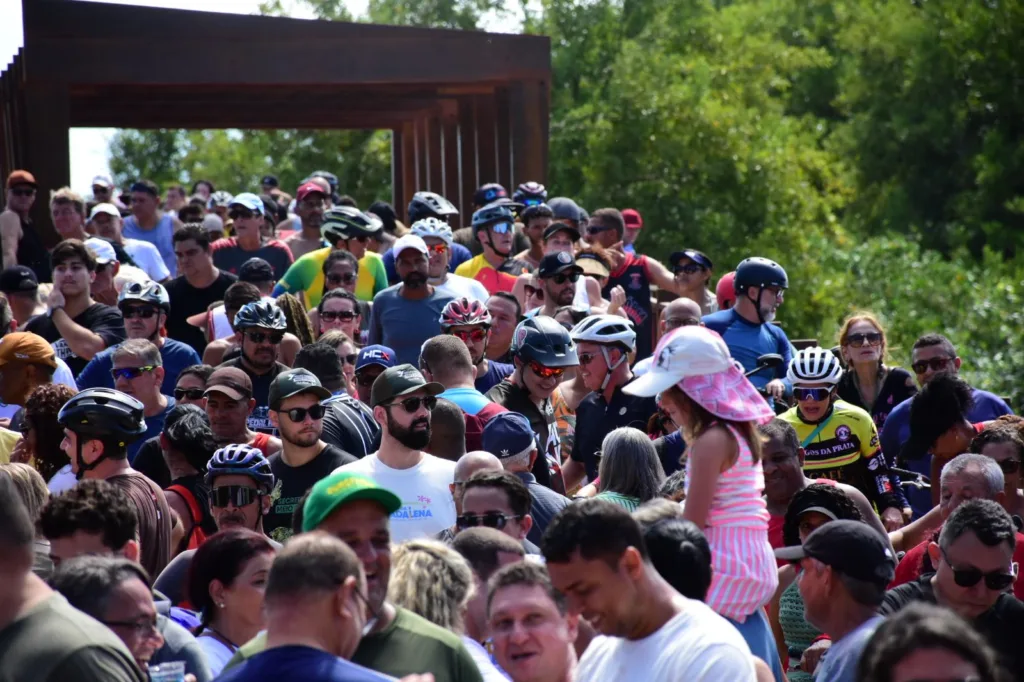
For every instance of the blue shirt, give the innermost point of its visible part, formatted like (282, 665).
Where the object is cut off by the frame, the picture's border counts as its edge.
(496, 373)
(839, 664)
(896, 430)
(154, 427)
(299, 663)
(459, 255)
(403, 324)
(176, 356)
(469, 400)
(748, 341)
(160, 236)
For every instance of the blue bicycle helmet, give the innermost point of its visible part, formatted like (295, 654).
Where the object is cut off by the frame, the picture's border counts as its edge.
(239, 459)
(492, 214)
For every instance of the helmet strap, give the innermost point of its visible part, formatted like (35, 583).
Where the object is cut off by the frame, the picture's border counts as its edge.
(757, 304)
(82, 465)
(611, 367)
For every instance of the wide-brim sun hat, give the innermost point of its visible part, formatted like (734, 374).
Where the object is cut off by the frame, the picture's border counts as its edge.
(697, 360)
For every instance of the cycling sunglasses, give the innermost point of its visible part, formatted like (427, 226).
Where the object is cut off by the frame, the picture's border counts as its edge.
(190, 393)
(437, 248)
(859, 340)
(495, 520)
(969, 577)
(236, 495)
(561, 277)
(130, 372)
(346, 278)
(331, 315)
(546, 372)
(269, 337)
(802, 394)
(476, 335)
(532, 202)
(412, 405)
(240, 214)
(501, 228)
(937, 364)
(143, 312)
(298, 414)
(689, 269)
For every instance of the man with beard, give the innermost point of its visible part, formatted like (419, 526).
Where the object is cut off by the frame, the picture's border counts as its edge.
(405, 315)
(145, 308)
(746, 327)
(536, 219)
(310, 203)
(494, 227)
(297, 412)
(401, 400)
(261, 326)
(470, 322)
(437, 235)
(558, 274)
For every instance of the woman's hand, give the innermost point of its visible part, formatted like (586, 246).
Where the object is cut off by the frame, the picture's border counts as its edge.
(892, 519)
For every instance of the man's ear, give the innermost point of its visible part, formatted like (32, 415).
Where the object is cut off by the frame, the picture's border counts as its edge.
(252, 405)
(131, 550)
(934, 553)
(158, 374)
(801, 454)
(632, 562)
(275, 418)
(526, 524)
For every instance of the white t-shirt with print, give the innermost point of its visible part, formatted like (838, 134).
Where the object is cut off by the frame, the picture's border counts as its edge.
(697, 645)
(147, 258)
(427, 504)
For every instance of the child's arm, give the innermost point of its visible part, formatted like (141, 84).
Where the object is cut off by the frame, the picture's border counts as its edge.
(710, 455)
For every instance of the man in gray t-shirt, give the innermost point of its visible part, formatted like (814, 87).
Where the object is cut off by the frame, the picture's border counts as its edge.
(407, 314)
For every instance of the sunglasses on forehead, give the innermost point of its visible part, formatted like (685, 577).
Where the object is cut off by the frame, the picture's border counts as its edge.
(235, 495)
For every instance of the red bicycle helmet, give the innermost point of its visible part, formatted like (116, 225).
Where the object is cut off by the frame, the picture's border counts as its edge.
(463, 311)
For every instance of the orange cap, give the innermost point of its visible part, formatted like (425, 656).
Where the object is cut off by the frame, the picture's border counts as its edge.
(27, 347)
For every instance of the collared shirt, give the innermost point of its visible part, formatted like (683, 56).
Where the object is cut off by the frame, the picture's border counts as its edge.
(596, 418)
(515, 398)
(545, 505)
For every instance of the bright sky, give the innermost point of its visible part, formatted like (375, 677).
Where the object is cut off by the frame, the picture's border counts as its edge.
(89, 145)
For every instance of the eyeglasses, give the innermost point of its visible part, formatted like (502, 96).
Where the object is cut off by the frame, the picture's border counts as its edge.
(937, 364)
(130, 372)
(534, 291)
(475, 335)
(143, 627)
(802, 394)
(142, 312)
(273, 338)
(586, 358)
(495, 520)
(23, 192)
(561, 277)
(235, 495)
(412, 405)
(350, 359)
(190, 393)
(1009, 466)
(346, 278)
(298, 414)
(501, 228)
(332, 315)
(437, 248)
(240, 214)
(546, 372)
(969, 577)
(870, 339)
(689, 268)
(594, 229)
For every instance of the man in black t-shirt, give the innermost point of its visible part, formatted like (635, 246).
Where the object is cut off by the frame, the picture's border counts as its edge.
(77, 326)
(297, 412)
(198, 285)
(261, 326)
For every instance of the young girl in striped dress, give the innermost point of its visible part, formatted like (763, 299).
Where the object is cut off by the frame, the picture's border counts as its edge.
(718, 410)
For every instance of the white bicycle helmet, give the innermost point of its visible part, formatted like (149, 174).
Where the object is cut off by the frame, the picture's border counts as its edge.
(432, 227)
(606, 330)
(814, 366)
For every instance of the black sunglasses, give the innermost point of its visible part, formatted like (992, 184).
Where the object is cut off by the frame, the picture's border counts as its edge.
(347, 278)
(271, 337)
(858, 340)
(561, 277)
(495, 520)
(237, 495)
(412, 405)
(190, 393)
(937, 364)
(23, 192)
(1009, 466)
(689, 268)
(240, 214)
(332, 315)
(298, 414)
(969, 577)
(143, 312)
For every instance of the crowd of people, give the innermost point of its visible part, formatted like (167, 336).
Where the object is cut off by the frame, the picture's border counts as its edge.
(260, 436)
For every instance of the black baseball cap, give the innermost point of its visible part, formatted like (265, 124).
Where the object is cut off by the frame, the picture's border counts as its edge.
(269, 180)
(561, 227)
(18, 279)
(400, 380)
(294, 382)
(693, 254)
(851, 547)
(255, 271)
(555, 263)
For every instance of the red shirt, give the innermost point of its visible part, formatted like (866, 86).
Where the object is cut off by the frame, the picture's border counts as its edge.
(777, 521)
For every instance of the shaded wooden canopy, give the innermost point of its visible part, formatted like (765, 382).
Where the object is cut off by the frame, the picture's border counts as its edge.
(465, 107)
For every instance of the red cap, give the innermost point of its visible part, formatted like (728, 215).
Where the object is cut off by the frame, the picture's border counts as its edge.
(21, 177)
(308, 188)
(725, 292)
(632, 218)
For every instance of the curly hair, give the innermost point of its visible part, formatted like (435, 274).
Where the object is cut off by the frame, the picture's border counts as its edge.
(830, 497)
(997, 433)
(298, 321)
(92, 506)
(41, 411)
(433, 581)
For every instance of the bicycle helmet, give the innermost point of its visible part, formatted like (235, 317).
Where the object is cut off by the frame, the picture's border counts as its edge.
(432, 227)
(486, 194)
(430, 205)
(759, 272)
(536, 211)
(331, 178)
(607, 330)
(347, 222)
(219, 198)
(102, 414)
(239, 459)
(530, 194)
(814, 366)
(490, 215)
(463, 311)
(261, 314)
(145, 292)
(544, 340)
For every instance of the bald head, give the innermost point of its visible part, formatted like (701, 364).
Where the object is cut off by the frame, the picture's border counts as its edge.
(469, 464)
(680, 313)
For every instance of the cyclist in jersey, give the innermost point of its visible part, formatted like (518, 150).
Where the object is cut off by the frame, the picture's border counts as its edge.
(347, 229)
(493, 227)
(429, 205)
(746, 327)
(840, 440)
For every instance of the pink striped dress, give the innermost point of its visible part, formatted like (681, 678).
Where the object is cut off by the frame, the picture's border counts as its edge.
(743, 569)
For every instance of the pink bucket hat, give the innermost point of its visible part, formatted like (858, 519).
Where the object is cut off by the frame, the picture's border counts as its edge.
(697, 360)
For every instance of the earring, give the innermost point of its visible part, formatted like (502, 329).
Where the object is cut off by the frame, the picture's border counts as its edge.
(221, 605)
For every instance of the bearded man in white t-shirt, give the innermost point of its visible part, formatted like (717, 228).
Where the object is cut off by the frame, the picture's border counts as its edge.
(402, 400)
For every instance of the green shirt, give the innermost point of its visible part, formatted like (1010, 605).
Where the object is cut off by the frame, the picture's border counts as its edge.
(627, 502)
(307, 275)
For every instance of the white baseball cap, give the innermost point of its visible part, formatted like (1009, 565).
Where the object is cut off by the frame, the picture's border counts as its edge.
(684, 352)
(109, 209)
(410, 241)
(102, 249)
(102, 181)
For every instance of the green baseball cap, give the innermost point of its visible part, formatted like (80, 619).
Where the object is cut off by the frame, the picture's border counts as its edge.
(340, 488)
(294, 382)
(398, 381)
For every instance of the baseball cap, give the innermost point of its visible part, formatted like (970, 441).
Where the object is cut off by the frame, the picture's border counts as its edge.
(249, 201)
(213, 223)
(294, 382)
(507, 434)
(409, 241)
(375, 355)
(591, 264)
(103, 250)
(340, 488)
(256, 270)
(231, 381)
(561, 227)
(631, 217)
(21, 177)
(694, 255)
(851, 547)
(682, 353)
(565, 208)
(269, 180)
(400, 380)
(307, 188)
(102, 181)
(554, 263)
(26, 347)
(108, 209)
(18, 279)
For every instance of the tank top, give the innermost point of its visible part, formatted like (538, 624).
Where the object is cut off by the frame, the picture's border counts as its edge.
(260, 442)
(632, 277)
(160, 236)
(737, 500)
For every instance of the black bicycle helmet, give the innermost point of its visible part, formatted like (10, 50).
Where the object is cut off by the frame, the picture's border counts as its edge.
(544, 340)
(492, 214)
(530, 194)
(145, 292)
(346, 222)
(532, 211)
(430, 205)
(104, 413)
(240, 459)
(759, 272)
(261, 314)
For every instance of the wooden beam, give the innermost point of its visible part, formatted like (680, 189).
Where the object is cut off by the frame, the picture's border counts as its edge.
(529, 129)
(467, 157)
(47, 140)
